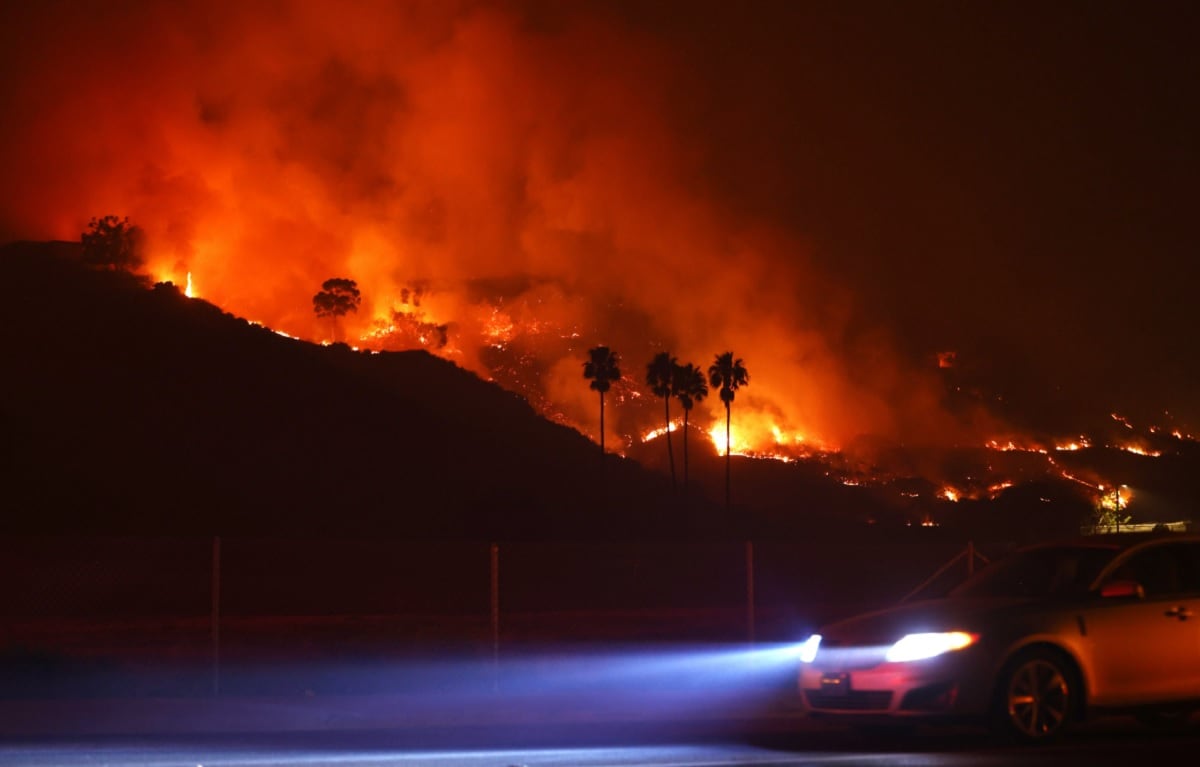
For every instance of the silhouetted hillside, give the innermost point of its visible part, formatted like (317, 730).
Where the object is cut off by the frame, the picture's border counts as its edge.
(127, 408)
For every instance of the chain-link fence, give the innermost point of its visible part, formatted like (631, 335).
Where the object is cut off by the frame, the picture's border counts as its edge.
(137, 607)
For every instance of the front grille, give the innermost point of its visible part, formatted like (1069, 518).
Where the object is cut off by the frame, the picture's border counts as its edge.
(850, 658)
(854, 700)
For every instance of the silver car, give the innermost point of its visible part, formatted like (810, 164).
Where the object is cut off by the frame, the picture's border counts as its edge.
(1029, 644)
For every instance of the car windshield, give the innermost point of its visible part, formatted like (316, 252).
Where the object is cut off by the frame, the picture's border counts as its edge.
(1049, 571)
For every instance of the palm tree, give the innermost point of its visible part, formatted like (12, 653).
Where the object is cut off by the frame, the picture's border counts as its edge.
(660, 377)
(728, 373)
(602, 368)
(690, 388)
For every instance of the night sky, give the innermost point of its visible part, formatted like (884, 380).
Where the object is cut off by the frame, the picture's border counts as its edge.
(1012, 180)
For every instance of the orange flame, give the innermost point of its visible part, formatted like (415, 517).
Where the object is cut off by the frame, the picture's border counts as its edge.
(449, 161)
(656, 433)
(1077, 444)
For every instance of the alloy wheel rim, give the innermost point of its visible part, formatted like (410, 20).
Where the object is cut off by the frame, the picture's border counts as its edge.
(1038, 699)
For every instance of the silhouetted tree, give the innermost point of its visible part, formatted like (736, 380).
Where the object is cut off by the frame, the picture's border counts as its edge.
(690, 388)
(337, 297)
(602, 368)
(112, 243)
(660, 377)
(729, 374)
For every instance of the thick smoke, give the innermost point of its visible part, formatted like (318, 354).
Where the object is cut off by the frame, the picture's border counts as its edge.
(522, 178)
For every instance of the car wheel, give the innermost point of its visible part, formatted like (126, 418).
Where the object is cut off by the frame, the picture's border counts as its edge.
(1036, 697)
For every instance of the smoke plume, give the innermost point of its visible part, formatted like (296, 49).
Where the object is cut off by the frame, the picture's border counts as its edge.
(508, 184)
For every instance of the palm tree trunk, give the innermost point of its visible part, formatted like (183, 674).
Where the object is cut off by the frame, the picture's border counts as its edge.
(670, 452)
(601, 423)
(727, 472)
(685, 455)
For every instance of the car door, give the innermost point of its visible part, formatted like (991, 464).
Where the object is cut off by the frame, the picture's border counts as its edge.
(1147, 650)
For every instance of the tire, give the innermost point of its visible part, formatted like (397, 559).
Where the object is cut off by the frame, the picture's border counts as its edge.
(1037, 697)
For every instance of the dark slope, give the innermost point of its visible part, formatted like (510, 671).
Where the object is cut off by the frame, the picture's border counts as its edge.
(129, 409)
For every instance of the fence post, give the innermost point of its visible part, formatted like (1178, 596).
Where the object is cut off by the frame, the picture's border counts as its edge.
(495, 614)
(216, 615)
(750, 621)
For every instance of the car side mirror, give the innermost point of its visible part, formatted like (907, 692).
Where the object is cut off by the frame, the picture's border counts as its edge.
(1119, 589)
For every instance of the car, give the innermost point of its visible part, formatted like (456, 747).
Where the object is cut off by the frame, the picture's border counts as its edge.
(1030, 644)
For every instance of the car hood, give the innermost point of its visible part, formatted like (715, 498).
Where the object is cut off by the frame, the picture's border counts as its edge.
(884, 627)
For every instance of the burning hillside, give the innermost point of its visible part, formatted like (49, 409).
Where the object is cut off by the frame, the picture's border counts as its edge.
(508, 184)
(505, 185)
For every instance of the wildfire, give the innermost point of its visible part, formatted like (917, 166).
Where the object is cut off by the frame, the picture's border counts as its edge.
(456, 173)
(1178, 434)
(1115, 499)
(1081, 442)
(737, 444)
(1010, 447)
(408, 322)
(498, 327)
(1072, 446)
(1122, 420)
(656, 433)
(1139, 450)
(999, 487)
(758, 435)
(1073, 478)
(477, 161)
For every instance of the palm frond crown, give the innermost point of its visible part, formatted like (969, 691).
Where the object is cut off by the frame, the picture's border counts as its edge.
(660, 374)
(690, 386)
(728, 373)
(602, 367)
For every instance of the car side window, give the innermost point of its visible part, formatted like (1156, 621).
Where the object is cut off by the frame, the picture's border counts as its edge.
(1158, 570)
(1189, 567)
(1164, 570)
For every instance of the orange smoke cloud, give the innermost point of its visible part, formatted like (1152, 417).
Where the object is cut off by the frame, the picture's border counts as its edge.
(484, 157)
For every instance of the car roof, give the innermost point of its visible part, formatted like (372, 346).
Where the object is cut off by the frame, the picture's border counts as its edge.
(1118, 541)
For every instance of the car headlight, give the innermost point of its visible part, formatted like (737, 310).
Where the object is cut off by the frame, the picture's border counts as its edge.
(809, 647)
(930, 645)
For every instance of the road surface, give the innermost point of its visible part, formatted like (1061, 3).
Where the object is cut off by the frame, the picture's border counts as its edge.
(1113, 743)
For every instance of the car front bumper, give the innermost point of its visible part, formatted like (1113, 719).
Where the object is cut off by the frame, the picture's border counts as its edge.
(952, 686)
